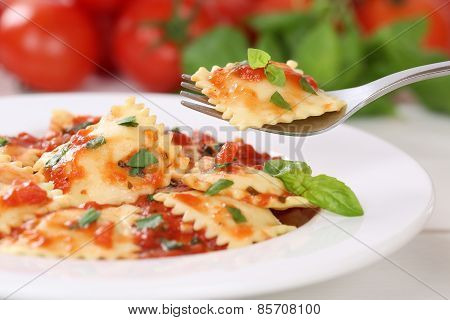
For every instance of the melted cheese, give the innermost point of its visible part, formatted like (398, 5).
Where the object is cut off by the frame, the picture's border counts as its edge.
(210, 213)
(110, 237)
(250, 185)
(245, 100)
(94, 174)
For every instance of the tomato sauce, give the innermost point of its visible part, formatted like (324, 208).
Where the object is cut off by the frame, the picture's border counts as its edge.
(25, 193)
(172, 229)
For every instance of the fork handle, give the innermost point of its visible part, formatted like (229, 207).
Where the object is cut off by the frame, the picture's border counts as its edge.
(383, 86)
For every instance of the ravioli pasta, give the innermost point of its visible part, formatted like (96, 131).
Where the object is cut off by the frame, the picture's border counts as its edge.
(243, 95)
(125, 187)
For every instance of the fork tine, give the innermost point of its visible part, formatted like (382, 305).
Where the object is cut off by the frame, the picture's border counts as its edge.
(190, 86)
(186, 77)
(196, 97)
(202, 109)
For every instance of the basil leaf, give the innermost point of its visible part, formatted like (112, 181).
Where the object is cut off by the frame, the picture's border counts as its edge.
(136, 172)
(222, 165)
(275, 75)
(80, 126)
(237, 215)
(54, 160)
(96, 142)
(152, 222)
(306, 86)
(333, 195)
(3, 141)
(89, 217)
(142, 159)
(168, 245)
(214, 48)
(257, 58)
(218, 186)
(291, 173)
(150, 197)
(195, 240)
(278, 100)
(128, 122)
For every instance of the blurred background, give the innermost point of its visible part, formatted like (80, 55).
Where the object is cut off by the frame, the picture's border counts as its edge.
(66, 45)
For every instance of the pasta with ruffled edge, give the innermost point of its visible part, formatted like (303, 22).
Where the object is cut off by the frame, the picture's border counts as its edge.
(210, 213)
(243, 95)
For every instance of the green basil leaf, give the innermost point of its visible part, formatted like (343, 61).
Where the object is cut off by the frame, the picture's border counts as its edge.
(89, 217)
(306, 86)
(152, 222)
(3, 141)
(214, 48)
(133, 172)
(218, 186)
(195, 240)
(333, 195)
(142, 159)
(168, 245)
(275, 75)
(54, 160)
(96, 142)
(150, 197)
(80, 126)
(237, 215)
(291, 173)
(257, 58)
(278, 100)
(128, 122)
(222, 165)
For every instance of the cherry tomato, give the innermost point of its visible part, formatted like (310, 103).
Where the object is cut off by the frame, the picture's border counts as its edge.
(373, 14)
(47, 44)
(227, 153)
(147, 42)
(229, 11)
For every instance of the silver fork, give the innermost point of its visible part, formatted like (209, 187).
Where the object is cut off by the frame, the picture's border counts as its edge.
(356, 98)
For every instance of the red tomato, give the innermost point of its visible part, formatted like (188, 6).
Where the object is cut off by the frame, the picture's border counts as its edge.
(48, 45)
(232, 11)
(25, 192)
(373, 14)
(101, 5)
(147, 42)
(227, 153)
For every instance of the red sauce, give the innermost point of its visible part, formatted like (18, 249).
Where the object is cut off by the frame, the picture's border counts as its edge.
(103, 235)
(25, 193)
(150, 239)
(245, 72)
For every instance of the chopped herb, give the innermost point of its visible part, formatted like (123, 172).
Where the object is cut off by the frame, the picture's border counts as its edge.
(170, 244)
(150, 197)
(176, 129)
(53, 161)
(151, 222)
(89, 217)
(257, 58)
(218, 146)
(275, 75)
(277, 99)
(222, 165)
(142, 159)
(95, 143)
(128, 122)
(237, 215)
(252, 191)
(307, 86)
(218, 186)
(136, 172)
(80, 126)
(195, 240)
(3, 141)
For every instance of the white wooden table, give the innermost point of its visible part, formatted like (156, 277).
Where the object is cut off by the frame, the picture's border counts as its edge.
(426, 137)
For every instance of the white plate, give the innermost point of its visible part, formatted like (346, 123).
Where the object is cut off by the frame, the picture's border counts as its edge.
(395, 191)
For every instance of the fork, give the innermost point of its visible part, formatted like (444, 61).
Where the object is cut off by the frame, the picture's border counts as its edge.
(356, 98)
